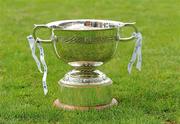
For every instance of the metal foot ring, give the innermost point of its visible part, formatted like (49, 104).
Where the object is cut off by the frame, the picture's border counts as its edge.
(60, 105)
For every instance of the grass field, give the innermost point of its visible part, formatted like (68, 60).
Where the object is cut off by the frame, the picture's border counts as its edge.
(151, 96)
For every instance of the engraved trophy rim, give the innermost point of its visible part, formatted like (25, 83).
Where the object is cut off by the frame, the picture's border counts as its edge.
(100, 24)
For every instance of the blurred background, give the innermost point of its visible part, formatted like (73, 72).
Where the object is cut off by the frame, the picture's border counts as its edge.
(151, 96)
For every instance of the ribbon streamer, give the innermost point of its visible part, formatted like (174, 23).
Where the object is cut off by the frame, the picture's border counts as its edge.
(137, 55)
(32, 43)
(33, 50)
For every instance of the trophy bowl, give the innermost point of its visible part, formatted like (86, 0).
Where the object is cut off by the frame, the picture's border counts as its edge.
(84, 44)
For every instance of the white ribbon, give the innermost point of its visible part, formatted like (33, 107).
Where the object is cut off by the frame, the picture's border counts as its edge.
(136, 53)
(32, 43)
(33, 50)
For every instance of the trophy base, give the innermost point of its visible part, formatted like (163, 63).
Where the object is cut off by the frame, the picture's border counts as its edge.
(60, 105)
(84, 90)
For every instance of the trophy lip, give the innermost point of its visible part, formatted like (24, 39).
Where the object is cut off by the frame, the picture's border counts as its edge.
(55, 24)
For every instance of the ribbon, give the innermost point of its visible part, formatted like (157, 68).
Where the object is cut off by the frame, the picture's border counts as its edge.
(137, 55)
(32, 43)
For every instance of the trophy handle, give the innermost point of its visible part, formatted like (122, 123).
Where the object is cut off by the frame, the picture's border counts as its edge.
(132, 36)
(36, 27)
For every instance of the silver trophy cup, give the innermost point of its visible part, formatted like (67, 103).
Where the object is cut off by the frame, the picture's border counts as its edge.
(84, 44)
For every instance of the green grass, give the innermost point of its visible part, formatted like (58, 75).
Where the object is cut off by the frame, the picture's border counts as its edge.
(151, 96)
